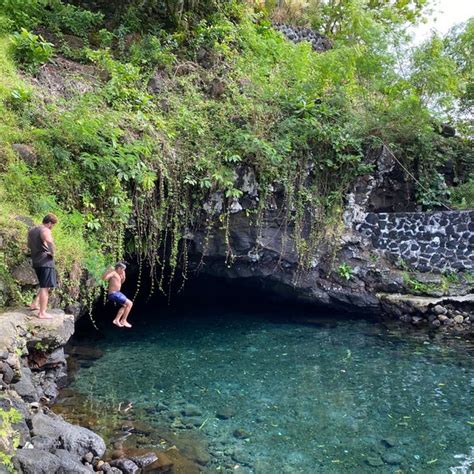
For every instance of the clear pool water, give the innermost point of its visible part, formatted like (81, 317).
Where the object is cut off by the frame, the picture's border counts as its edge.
(278, 391)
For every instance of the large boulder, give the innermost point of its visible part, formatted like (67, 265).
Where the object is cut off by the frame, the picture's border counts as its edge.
(75, 439)
(35, 461)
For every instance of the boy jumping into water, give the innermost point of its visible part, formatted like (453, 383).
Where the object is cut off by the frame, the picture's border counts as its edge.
(116, 277)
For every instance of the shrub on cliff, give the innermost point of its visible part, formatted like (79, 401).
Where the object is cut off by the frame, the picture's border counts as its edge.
(30, 50)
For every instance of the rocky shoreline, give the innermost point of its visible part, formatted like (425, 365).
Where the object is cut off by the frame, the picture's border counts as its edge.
(446, 314)
(33, 439)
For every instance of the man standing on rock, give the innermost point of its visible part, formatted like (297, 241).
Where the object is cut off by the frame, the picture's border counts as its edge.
(116, 277)
(41, 245)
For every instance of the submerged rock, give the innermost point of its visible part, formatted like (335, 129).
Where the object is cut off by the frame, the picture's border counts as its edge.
(196, 450)
(191, 410)
(242, 456)
(225, 413)
(161, 465)
(389, 442)
(392, 458)
(374, 461)
(144, 460)
(241, 434)
(127, 466)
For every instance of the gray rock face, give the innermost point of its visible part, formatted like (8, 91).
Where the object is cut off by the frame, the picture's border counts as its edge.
(38, 461)
(65, 78)
(264, 253)
(69, 464)
(75, 439)
(7, 372)
(25, 388)
(44, 443)
(74, 309)
(267, 258)
(159, 82)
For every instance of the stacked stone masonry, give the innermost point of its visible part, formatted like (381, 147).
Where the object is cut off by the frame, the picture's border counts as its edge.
(435, 241)
(296, 34)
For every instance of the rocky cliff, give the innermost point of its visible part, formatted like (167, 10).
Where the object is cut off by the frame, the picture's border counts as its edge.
(349, 272)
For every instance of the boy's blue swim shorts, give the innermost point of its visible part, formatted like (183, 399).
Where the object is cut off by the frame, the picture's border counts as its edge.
(117, 297)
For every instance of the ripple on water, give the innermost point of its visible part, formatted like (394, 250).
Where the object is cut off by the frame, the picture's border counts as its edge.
(300, 398)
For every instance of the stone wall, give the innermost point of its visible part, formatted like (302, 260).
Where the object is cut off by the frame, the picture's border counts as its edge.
(434, 241)
(296, 34)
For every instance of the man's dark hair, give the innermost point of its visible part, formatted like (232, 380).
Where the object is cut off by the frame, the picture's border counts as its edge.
(121, 265)
(50, 218)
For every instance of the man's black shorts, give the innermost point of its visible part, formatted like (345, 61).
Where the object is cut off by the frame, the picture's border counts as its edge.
(46, 277)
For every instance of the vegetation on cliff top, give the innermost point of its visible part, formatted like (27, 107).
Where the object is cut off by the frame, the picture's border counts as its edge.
(166, 102)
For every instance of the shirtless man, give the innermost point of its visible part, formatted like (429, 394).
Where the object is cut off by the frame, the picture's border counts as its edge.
(41, 245)
(116, 277)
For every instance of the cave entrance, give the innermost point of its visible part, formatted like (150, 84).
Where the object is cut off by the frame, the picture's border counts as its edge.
(205, 296)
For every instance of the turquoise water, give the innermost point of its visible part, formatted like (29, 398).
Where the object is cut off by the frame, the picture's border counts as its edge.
(272, 394)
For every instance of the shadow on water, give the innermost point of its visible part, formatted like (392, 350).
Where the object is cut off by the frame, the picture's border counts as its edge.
(240, 381)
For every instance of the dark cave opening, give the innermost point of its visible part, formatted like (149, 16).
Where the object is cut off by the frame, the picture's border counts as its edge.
(206, 294)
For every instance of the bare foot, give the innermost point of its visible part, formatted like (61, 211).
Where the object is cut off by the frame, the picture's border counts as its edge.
(44, 316)
(126, 324)
(117, 323)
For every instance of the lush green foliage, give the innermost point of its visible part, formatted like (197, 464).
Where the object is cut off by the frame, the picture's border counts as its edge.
(463, 195)
(58, 16)
(121, 159)
(71, 19)
(9, 438)
(30, 50)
